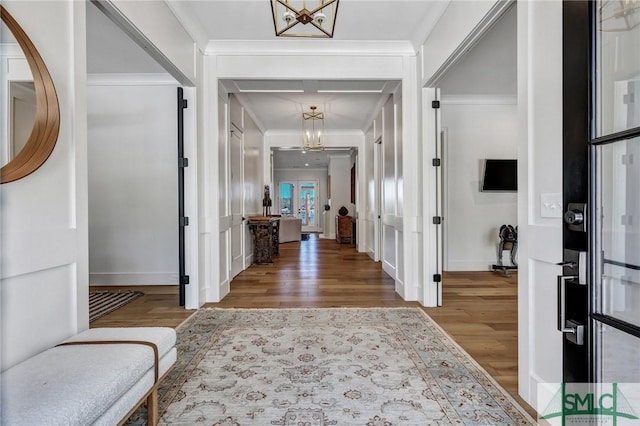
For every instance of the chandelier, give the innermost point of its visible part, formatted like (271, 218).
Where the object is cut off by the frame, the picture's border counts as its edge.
(321, 14)
(312, 129)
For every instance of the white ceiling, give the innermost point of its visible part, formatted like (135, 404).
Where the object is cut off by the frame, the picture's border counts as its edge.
(278, 105)
(380, 20)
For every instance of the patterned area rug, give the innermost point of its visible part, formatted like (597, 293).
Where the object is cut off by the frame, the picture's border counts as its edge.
(313, 367)
(104, 302)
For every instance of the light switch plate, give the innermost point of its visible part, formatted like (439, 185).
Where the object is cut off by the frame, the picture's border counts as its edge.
(551, 205)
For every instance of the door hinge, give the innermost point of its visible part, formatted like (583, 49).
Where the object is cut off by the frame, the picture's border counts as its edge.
(437, 220)
(437, 278)
(183, 162)
(184, 104)
(436, 162)
(435, 104)
(185, 279)
(184, 221)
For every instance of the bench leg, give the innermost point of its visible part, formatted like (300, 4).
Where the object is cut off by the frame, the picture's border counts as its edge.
(152, 408)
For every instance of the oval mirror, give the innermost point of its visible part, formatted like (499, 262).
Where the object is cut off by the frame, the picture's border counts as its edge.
(30, 109)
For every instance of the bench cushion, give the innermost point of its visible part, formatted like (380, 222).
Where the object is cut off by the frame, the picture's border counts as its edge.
(76, 385)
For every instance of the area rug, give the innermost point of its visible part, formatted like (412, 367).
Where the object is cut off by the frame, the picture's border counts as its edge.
(104, 302)
(316, 367)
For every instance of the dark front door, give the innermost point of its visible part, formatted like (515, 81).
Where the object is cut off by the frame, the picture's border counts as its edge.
(599, 292)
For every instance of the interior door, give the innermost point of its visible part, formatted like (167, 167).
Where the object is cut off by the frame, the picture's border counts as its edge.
(615, 178)
(237, 203)
(378, 196)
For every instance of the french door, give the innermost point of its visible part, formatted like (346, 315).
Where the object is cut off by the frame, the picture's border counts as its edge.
(615, 178)
(599, 292)
(300, 199)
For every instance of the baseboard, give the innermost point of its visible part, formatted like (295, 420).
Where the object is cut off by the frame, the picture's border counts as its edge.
(471, 265)
(127, 279)
(389, 269)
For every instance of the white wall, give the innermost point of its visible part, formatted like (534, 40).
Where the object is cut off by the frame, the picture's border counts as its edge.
(472, 218)
(340, 172)
(479, 115)
(253, 164)
(133, 181)
(44, 270)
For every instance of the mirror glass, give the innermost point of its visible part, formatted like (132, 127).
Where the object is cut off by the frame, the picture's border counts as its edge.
(18, 103)
(28, 101)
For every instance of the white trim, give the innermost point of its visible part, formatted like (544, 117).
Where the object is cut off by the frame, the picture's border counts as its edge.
(137, 278)
(492, 16)
(301, 169)
(127, 79)
(473, 265)
(310, 47)
(479, 100)
(296, 132)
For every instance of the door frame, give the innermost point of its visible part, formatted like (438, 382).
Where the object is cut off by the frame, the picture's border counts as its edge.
(237, 219)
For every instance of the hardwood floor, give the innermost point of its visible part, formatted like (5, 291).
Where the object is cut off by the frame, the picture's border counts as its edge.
(479, 312)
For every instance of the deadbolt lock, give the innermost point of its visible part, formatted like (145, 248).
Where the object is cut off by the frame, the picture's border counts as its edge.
(576, 217)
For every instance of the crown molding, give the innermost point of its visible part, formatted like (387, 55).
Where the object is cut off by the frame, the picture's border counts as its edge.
(311, 47)
(298, 132)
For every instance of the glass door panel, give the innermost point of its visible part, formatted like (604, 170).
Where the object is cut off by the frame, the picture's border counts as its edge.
(619, 197)
(618, 75)
(615, 177)
(307, 210)
(287, 204)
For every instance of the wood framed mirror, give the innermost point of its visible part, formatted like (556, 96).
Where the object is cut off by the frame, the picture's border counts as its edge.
(46, 125)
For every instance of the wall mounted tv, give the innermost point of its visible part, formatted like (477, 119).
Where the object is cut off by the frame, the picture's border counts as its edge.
(500, 175)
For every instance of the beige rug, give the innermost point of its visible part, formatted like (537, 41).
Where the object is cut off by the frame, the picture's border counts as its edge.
(313, 367)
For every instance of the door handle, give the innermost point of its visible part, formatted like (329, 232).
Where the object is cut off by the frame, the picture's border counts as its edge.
(574, 330)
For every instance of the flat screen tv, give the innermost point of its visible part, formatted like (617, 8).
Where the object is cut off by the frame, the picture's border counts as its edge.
(500, 175)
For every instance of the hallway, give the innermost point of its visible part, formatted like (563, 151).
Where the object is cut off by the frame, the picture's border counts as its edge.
(479, 312)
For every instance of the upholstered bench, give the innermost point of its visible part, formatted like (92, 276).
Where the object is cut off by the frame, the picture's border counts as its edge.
(97, 377)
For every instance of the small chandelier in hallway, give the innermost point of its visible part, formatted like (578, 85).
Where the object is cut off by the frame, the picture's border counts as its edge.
(320, 14)
(312, 129)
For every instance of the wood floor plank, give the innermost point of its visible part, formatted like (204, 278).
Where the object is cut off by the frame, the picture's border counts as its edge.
(479, 312)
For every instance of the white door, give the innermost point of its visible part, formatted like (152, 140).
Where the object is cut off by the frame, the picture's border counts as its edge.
(237, 203)
(377, 200)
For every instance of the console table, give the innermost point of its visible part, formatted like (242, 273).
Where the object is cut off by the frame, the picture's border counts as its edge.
(265, 238)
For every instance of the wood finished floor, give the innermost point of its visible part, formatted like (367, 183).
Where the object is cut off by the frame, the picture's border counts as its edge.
(479, 312)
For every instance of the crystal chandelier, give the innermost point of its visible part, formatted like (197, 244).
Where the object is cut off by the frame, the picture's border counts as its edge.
(312, 129)
(320, 14)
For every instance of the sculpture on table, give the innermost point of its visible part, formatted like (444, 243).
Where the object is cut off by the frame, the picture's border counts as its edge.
(266, 201)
